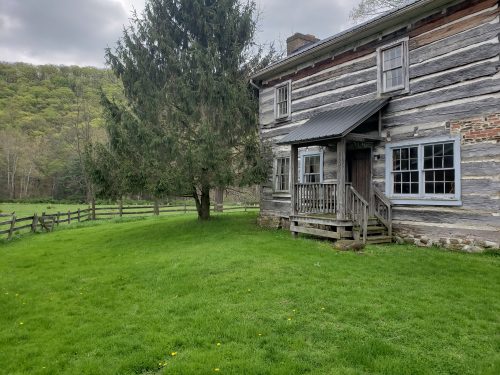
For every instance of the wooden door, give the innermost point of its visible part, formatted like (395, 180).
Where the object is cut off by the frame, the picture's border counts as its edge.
(359, 171)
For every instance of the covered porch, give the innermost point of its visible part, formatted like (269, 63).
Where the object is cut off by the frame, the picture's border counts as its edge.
(334, 196)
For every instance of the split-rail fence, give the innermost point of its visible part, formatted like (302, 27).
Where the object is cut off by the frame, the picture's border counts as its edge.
(10, 224)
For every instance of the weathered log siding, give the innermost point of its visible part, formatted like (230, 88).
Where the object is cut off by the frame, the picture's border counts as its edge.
(454, 74)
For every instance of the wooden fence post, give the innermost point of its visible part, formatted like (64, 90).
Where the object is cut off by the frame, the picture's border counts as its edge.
(69, 217)
(157, 208)
(12, 226)
(120, 208)
(34, 223)
(219, 199)
(78, 215)
(93, 209)
(58, 216)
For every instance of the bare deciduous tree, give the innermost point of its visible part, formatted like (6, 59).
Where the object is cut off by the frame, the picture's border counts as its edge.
(371, 8)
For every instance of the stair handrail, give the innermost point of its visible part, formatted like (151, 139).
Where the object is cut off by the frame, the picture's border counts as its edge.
(357, 208)
(384, 217)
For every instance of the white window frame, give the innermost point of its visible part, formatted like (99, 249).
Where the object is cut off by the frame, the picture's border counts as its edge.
(405, 65)
(283, 116)
(275, 174)
(305, 154)
(422, 198)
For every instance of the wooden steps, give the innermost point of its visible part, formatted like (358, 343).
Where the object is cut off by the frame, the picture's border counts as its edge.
(332, 228)
(378, 239)
(376, 232)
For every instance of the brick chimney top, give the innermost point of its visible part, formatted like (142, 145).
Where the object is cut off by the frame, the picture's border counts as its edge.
(298, 41)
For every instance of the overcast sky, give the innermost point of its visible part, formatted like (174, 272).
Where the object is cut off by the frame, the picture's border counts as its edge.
(77, 31)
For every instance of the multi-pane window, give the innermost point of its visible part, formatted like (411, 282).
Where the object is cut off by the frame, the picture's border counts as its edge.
(282, 100)
(405, 170)
(393, 68)
(439, 171)
(311, 168)
(424, 170)
(282, 176)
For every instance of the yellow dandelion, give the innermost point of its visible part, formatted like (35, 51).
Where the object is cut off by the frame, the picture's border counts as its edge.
(289, 319)
(218, 344)
(293, 310)
(173, 354)
(21, 323)
(260, 334)
(217, 369)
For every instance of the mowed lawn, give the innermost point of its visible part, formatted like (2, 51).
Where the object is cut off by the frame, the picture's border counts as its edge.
(28, 209)
(171, 295)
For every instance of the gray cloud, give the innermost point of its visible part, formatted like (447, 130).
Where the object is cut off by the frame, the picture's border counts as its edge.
(322, 18)
(77, 31)
(59, 31)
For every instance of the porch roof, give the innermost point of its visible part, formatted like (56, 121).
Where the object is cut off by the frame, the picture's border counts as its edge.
(335, 123)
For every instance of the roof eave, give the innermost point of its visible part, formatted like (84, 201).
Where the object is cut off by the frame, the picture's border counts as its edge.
(371, 27)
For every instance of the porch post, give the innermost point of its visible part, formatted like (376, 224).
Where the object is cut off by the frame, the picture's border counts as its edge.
(341, 151)
(294, 156)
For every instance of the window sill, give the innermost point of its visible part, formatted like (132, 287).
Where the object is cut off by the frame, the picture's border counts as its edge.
(282, 194)
(425, 201)
(395, 92)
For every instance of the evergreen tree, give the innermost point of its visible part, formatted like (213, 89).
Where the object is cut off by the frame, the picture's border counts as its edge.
(189, 123)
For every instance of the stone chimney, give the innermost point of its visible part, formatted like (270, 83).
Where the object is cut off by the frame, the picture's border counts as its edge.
(298, 41)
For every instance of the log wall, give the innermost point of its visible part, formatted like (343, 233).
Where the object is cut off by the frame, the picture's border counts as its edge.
(454, 81)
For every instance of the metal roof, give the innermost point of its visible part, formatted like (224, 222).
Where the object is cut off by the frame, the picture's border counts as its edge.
(405, 13)
(335, 123)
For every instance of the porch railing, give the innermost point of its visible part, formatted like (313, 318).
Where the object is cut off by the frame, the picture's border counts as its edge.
(316, 198)
(382, 208)
(357, 211)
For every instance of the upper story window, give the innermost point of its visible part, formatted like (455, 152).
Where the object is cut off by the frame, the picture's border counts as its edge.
(424, 171)
(393, 67)
(282, 101)
(282, 175)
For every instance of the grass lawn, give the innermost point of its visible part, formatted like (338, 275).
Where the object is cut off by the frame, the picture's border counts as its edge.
(28, 209)
(227, 297)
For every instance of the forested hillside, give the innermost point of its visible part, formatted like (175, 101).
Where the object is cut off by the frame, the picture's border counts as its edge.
(47, 116)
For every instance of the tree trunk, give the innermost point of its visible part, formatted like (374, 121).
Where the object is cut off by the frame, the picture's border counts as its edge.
(219, 199)
(202, 202)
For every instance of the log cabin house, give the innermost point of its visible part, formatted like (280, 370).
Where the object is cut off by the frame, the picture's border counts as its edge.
(389, 130)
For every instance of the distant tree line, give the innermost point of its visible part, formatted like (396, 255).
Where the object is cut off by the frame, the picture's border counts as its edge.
(48, 116)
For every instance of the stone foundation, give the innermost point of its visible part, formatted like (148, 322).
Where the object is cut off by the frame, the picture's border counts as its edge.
(407, 235)
(456, 243)
(273, 222)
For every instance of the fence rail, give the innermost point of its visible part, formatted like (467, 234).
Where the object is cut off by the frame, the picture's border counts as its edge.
(47, 221)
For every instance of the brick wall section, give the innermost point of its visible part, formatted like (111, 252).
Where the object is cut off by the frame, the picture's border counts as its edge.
(478, 129)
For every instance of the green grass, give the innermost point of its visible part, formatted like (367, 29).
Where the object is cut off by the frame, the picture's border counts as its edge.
(28, 209)
(119, 298)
